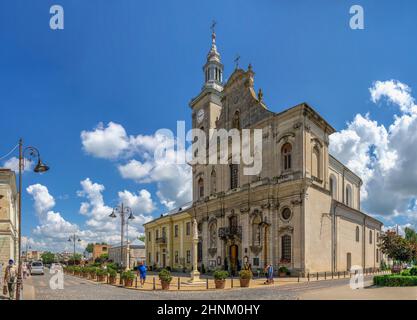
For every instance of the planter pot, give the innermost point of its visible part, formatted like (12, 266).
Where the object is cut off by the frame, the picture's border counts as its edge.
(93, 276)
(282, 274)
(128, 282)
(85, 275)
(101, 278)
(244, 283)
(112, 280)
(219, 283)
(165, 285)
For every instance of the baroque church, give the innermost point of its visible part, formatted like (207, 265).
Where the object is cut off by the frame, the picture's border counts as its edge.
(302, 211)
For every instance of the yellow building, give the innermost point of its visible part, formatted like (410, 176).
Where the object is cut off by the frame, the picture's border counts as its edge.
(169, 241)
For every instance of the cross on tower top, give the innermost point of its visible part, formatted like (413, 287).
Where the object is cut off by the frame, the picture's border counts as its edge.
(213, 26)
(237, 60)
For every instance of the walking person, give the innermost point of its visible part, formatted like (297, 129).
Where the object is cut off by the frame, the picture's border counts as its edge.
(142, 273)
(271, 274)
(10, 278)
(24, 270)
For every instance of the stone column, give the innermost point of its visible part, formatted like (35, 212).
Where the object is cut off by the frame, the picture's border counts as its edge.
(195, 275)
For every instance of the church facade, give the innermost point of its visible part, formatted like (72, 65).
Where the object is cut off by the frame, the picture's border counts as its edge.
(302, 211)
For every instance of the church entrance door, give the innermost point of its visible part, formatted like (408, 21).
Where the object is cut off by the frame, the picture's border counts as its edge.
(233, 258)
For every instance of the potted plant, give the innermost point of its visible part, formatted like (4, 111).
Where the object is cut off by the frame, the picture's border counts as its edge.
(245, 276)
(112, 274)
(101, 274)
(220, 278)
(282, 271)
(166, 278)
(93, 273)
(128, 277)
(77, 271)
(84, 272)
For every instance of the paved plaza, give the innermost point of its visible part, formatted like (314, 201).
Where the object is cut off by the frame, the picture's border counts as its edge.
(75, 288)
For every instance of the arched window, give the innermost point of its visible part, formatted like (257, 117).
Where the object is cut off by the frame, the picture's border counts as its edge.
(234, 176)
(256, 231)
(333, 186)
(357, 234)
(213, 235)
(213, 182)
(200, 188)
(236, 120)
(370, 236)
(348, 199)
(286, 248)
(286, 156)
(315, 162)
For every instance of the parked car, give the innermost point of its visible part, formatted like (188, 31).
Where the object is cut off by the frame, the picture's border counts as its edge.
(36, 268)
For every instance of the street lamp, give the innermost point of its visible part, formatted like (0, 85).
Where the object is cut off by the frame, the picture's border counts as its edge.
(122, 211)
(73, 239)
(40, 167)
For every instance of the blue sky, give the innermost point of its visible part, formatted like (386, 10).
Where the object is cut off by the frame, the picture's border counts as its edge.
(138, 64)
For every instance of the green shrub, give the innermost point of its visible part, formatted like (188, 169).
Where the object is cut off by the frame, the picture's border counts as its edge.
(220, 274)
(111, 272)
(283, 269)
(413, 271)
(100, 272)
(92, 270)
(245, 274)
(405, 272)
(128, 275)
(165, 275)
(395, 281)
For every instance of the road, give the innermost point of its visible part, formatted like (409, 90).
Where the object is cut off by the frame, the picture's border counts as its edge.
(37, 287)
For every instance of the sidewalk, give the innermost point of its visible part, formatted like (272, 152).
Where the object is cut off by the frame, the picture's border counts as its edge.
(368, 293)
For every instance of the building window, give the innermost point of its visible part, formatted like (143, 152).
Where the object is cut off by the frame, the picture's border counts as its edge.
(286, 156)
(256, 262)
(370, 236)
(377, 255)
(149, 236)
(188, 228)
(286, 248)
(176, 257)
(256, 231)
(233, 221)
(213, 182)
(333, 188)
(188, 256)
(150, 258)
(199, 251)
(357, 234)
(176, 231)
(157, 257)
(234, 176)
(315, 163)
(164, 232)
(200, 188)
(236, 120)
(156, 234)
(286, 214)
(213, 235)
(348, 200)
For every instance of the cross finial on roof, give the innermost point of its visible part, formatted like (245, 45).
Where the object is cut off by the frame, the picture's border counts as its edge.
(213, 26)
(237, 60)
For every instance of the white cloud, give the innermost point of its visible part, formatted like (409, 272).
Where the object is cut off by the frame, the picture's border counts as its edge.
(43, 200)
(384, 157)
(173, 181)
(105, 142)
(13, 164)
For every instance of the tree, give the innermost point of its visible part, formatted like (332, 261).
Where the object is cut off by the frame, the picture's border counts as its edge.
(396, 247)
(142, 238)
(89, 247)
(47, 257)
(75, 259)
(410, 235)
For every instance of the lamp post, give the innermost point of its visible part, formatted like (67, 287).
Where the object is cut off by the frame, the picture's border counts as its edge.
(122, 211)
(40, 167)
(74, 239)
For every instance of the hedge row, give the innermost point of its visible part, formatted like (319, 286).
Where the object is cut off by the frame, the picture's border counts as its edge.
(395, 281)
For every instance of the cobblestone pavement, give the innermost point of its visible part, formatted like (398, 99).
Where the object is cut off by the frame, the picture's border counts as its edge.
(80, 289)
